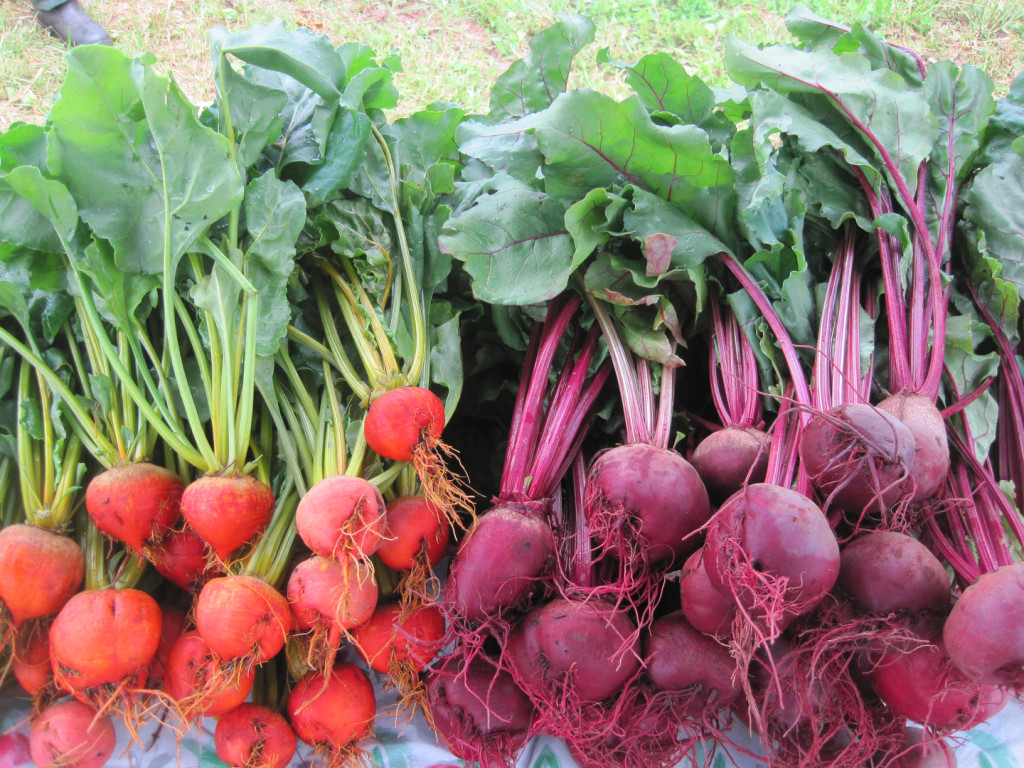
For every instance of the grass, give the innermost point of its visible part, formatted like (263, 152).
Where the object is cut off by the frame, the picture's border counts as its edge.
(452, 50)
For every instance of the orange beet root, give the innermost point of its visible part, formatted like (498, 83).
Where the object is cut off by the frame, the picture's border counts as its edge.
(401, 419)
(135, 503)
(39, 571)
(227, 510)
(242, 617)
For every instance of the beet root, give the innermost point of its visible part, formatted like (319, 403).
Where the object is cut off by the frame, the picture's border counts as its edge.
(71, 733)
(705, 608)
(643, 503)
(730, 458)
(806, 701)
(679, 658)
(859, 458)
(773, 551)
(504, 558)
(921, 751)
(931, 455)
(479, 711)
(984, 633)
(135, 503)
(103, 641)
(39, 571)
(925, 687)
(254, 736)
(583, 649)
(227, 510)
(887, 572)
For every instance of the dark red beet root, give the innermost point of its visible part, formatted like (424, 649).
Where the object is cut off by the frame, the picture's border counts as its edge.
(135, 503)
(984, 633)
(504, 557)
(640, 727)
(888, 572)
(772, 549)
(730, 458)
(859, 458)
(479, 711)
(586, 645)
(254, 736)
(919, 752)
(931, 457)
(705, 608)
(645, 500)
(924, 686)
(811, 709)
(678, 657)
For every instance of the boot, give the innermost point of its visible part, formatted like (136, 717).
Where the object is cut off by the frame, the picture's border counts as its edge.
(70, 23)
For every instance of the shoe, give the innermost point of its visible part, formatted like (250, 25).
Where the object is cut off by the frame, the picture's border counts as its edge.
(70, 23)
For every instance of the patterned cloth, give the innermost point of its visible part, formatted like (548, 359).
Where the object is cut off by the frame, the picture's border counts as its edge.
(999, 743)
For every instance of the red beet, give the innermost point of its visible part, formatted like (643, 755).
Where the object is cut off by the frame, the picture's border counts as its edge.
(642, 501)
(773, 551)
(502, 559)
(677, 657)
(924, 686)
(887, 572)
(479, 711)
(587, 646)
(729, 458)
(859, 457)
(931, 457)
(921, 752)
(703, 605)
(984, 632)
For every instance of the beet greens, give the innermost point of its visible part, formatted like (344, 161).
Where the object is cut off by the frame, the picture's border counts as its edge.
(794, 511)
